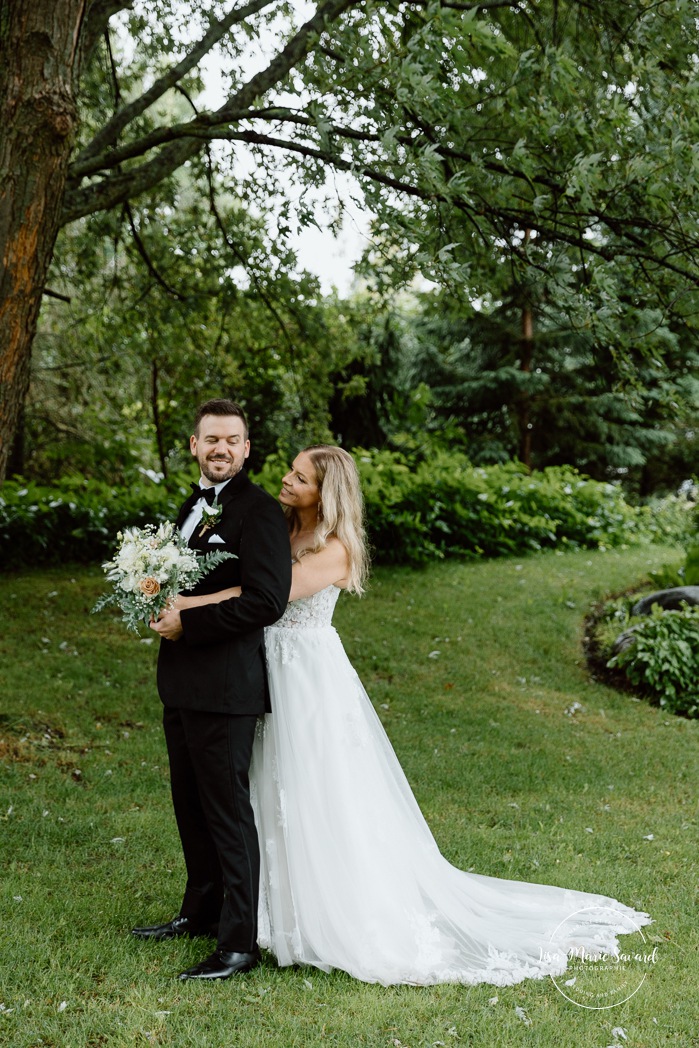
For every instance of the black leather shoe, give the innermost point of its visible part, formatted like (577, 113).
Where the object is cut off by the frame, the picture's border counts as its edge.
(221, 965)
(175, 928)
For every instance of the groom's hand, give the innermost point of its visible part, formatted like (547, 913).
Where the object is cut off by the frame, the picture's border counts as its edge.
(169, 626)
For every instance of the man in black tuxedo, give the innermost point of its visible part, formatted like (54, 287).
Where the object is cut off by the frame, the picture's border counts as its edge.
(213, 685)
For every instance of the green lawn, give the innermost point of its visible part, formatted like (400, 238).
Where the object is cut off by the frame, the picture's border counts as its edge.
(515, 780)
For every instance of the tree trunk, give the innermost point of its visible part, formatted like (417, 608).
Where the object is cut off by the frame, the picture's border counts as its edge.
(16, 458)
(155, 393)
(525, 365)
(38, 46)
(523, 412)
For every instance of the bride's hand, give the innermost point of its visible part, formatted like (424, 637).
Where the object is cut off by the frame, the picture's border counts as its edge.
(178, 603)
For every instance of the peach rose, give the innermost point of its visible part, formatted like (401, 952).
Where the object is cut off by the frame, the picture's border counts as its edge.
(149, 586)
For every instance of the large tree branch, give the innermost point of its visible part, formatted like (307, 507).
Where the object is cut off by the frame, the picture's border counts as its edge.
(566, 228)
(113, 128)
(125, 185)
(203, 126)
(175, 144)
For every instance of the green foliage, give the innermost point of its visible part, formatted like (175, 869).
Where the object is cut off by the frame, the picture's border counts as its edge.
(444, 506)
(76, 520)
(273, 469)
(691, 566)
(681, 515)
(676, 517)
(657, 654)
(562, 395)
(609, 620)
(663, 659)
(572, 115)
(120, 369)
(568, 193)
(554, 199)
(421, 505)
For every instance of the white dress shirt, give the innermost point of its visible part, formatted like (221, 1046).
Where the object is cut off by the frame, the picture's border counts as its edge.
(197, 509)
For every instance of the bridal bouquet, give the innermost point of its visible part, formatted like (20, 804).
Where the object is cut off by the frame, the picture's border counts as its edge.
(151, 566)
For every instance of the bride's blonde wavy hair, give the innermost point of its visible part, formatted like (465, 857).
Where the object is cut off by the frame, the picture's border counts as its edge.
(340, 510)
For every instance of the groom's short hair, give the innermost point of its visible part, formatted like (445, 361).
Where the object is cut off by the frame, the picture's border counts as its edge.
(220, 407)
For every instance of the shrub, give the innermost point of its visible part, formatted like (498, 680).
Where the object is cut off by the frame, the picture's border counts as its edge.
(672, 519)
(662, 659)
(687, 574)
(444, 506)
(76, 520)
(270, 476)
(419, 509)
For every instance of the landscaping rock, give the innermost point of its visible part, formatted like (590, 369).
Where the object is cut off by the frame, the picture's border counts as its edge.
(624, 640)
(667, 599)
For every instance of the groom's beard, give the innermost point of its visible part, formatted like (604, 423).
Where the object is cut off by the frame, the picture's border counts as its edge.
(228, 466)
(218, 476)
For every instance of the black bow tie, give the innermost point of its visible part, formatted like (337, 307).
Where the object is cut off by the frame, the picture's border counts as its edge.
(209, 494)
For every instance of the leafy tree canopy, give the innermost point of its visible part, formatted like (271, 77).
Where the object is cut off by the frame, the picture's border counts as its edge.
(489, 139)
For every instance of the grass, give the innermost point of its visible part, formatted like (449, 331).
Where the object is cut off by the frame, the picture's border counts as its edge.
(515, 779)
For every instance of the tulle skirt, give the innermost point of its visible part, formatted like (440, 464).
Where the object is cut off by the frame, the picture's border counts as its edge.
(351, 876)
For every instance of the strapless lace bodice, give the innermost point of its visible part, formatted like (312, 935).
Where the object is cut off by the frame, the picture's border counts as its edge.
(310, 612)
(300, 624)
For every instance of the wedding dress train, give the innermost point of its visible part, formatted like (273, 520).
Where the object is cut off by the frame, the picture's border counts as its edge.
(351, 876)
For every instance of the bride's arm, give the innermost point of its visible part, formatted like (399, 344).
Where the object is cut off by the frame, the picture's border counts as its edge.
(312, 572)
(181, 602)
(169, 624)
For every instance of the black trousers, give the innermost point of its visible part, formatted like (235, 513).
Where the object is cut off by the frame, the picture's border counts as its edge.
(209, 757)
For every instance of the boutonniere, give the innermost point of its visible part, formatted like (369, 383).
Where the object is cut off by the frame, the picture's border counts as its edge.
(210, 516)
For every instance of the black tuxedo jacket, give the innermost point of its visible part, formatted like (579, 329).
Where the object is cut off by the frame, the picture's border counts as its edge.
(218, 665)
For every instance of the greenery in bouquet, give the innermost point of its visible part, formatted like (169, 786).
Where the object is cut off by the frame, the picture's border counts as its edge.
(151, 566)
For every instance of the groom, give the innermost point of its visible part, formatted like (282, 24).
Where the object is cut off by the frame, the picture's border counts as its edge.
(212, 682)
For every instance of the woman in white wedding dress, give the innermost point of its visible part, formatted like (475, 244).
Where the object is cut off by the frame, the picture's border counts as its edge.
(351, 876)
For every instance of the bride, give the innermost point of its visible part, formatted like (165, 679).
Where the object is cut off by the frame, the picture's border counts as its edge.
(351, 876)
